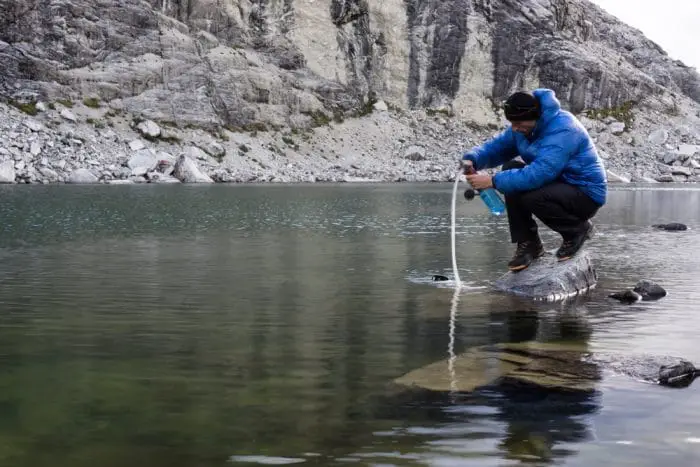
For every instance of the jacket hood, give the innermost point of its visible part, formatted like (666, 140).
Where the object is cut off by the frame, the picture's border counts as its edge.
(549, 104)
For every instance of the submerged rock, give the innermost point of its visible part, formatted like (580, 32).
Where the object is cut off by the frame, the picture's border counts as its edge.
(551, 366)
(649, 290)
(550, 280)
(565, 367)
(626, 296)
(672, 227)
(645, 290)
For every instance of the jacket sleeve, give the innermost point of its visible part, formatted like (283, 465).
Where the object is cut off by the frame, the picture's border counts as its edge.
(551, 159)
(497, 151)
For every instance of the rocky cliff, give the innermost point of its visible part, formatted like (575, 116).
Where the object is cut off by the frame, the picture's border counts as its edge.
(293, 90)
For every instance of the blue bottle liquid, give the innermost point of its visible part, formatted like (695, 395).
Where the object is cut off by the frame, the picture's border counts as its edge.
(489, 196)
(493, 201)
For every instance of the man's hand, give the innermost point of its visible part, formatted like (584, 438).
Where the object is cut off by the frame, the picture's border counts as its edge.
(467, 166)
(480, 181)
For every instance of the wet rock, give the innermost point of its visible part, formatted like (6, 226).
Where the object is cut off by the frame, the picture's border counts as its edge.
(440, 278)
(551, 280)
(120, 182)
(671, 227)
(649, 290)
(626, 296)
(679, 375)
(161, 178)
(645, 290)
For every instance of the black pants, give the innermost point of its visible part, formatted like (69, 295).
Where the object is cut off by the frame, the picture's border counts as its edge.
(562, 207)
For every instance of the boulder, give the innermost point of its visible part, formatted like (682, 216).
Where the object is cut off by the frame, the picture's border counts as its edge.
(649, 290)
(143, 158)
(550, 280)
(68, 115)
(137, 145)
(617, 128)
(7, 172)
(415, 153)
(380, 106)
(149, 129)
(658, 137)
(644, 290)
(615, 178)
(186, 171)
(82, 176)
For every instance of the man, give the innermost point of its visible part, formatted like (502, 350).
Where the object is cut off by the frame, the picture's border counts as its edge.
(561, 181)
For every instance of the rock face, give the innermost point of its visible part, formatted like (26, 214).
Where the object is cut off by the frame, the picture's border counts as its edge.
(549, 280)
(268, 61)
(266, 72)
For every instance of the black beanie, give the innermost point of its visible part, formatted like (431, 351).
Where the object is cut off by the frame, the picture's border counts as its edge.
(522, 106)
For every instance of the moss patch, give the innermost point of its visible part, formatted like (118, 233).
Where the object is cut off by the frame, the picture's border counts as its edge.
(92, 102)
(28, 108)
(65, 103)
(622, 113)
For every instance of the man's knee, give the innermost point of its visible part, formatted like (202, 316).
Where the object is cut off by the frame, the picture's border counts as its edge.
(513, 164)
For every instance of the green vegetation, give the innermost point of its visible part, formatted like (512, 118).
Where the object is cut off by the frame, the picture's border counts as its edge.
(92, 102)
(27, 107)
(622, 113)
(290, 142)
(65, 103)
(438, 112)
(319, 118)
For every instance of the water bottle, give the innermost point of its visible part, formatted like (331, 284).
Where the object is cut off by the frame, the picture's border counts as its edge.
(493, 201)
(489, 196)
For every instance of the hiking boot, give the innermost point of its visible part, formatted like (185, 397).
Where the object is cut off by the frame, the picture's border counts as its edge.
(571, 245)
(526, 253)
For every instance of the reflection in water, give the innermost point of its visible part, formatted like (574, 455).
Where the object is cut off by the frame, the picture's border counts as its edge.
(181, 326)
(537, 423)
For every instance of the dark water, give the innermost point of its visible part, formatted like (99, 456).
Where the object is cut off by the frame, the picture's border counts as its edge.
(237, 325)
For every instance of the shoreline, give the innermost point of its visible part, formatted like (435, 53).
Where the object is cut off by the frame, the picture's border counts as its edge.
(61, 145)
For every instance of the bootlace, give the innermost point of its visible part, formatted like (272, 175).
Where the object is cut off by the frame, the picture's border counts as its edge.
(522, 248)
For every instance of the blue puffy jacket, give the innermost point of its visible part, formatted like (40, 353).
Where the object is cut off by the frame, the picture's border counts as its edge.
(559, 148)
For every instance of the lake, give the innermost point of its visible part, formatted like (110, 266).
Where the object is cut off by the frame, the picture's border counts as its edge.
(183, 326)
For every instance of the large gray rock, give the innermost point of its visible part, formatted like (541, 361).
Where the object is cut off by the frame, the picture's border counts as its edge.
(549, 280)
(7, 172)
(186, 171)
(82, 176)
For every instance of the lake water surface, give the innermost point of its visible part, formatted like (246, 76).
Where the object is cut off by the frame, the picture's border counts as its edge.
(183, 326)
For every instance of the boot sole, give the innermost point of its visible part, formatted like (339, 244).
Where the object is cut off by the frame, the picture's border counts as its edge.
(588, 236)
(525, 266)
